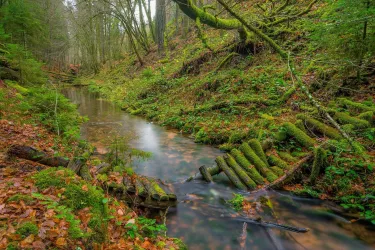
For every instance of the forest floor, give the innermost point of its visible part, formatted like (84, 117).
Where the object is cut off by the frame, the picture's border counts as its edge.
(44, 208)
(251, 96)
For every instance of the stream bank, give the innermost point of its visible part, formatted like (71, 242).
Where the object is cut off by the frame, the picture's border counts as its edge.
(202, 218)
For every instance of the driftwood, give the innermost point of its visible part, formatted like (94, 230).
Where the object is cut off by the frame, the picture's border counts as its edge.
(259, 222)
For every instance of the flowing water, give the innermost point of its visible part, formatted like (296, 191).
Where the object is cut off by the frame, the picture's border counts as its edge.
(202, 218)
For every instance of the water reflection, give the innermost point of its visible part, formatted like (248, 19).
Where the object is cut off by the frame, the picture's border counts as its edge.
(202, 218)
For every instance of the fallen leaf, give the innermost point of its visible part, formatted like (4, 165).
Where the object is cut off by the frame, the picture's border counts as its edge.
(85, 188)
(38, 245)
(27, 241)
(61, 242)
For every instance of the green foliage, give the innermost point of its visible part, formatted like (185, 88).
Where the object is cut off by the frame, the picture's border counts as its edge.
(144, 227)
(148, 73)
(341, 32)
(237, 202)
(20, 197)
(66, 213)
(27, 229)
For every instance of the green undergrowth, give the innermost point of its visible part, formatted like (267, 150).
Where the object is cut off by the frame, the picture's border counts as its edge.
(77, 194)
(41, 106)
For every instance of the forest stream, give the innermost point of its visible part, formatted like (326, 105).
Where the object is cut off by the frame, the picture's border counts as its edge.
(202, 218)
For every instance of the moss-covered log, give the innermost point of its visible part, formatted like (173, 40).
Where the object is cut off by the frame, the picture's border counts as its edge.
(367, 116)
(205, 174)
(240, 172)
(287, 157)
(301, 137)
(360, 107)
(301, 125)
(229, 173)
(258, 163)
(246, 165)
(84, 172)
(153, 189)
(317, 126)
(278, 171)
(128, 184)
(140, 189)
(257, 148)
(344, 118)
(320, 160)
(30, 153)
(276, 161)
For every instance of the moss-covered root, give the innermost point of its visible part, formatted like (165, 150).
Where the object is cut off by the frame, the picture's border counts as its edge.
(320, 159)
(355, 105)
(300, 124)
(258, 163)
(300, 136)
(276, 161)
(246, 165)
(229, 173)
(278, 171)
(240, 172)
(344, 118)
(257, 148)
(320, 127)
(287, 157)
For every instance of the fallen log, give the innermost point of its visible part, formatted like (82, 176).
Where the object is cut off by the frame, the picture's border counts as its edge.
(246, 165)
(240, 172)
(229, 173)
(127, 182)
(277, 183)
(154, 190)
(205, 174)
(140, 189)
(30, 153)
(214, 170)
(258, 163)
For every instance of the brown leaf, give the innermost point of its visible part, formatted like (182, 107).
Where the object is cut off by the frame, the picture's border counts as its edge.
(38, 245)
(85, 188)
(61, 242)
(27, 241)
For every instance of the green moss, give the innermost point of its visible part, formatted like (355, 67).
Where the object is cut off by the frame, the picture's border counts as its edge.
(180, 244)
(246, 165)
(278, 171)
(344, 118)
(230, 173)
(300, 124)
(53, 177)
(287, 157)
(354, 105)
(348, 128)
(257, 148)
(368, 116)
(76, 198)
(320, 160)
(258, 163)
(276, 161)
(227, 147)
(301, 137)
(21, 197)
(27, 229)
(281, 136)
(240, 172)
(237, 137)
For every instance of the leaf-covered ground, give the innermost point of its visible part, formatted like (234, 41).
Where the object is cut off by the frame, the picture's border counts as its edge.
(46, 208)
